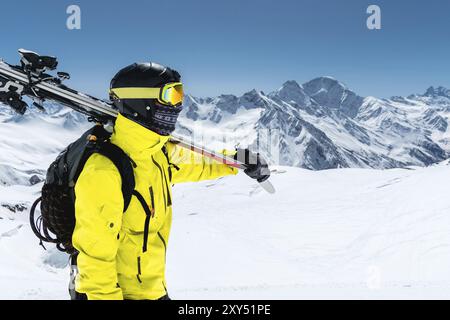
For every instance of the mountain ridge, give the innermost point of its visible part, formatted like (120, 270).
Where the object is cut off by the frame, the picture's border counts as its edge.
(323, 124)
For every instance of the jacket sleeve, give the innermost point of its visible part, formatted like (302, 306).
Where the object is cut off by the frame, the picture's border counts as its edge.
(193, 167)
(98, 211)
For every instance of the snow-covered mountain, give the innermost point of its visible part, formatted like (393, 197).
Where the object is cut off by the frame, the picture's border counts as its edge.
(344, 233)
(322, 124)
(318, 125)
(31, 142)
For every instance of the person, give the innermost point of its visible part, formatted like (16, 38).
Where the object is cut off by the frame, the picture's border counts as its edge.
(122, 255)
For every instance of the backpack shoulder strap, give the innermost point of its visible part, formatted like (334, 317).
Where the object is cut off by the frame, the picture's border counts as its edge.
(124, 165)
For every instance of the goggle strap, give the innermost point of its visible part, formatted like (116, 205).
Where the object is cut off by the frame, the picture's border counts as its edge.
(136, 93)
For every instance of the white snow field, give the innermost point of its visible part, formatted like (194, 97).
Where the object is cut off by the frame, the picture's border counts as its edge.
(336, 234)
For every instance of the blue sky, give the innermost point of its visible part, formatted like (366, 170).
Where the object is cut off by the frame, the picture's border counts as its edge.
(232, 46)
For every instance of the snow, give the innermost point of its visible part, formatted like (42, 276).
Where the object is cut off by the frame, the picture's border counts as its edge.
(342, 233)
(29, 144)
(239, 127)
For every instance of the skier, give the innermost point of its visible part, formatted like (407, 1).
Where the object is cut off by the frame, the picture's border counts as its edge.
(122, 255)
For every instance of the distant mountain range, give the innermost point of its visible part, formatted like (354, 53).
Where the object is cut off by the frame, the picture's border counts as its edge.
(322, 125)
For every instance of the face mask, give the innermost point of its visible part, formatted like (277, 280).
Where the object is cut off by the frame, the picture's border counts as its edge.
(163, 119)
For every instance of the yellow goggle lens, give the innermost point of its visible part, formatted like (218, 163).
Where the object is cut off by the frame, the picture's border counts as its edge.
(173, 94)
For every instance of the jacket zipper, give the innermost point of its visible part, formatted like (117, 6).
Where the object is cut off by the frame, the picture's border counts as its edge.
(146, 230)
(152, 198)
(169, 198)
(139, 270)
(169, 164)
(148, 213)
(164, 184)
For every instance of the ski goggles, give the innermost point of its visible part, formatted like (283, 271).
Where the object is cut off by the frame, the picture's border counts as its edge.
(171, 94)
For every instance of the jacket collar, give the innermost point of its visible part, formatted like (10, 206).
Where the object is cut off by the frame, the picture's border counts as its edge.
(134, 139)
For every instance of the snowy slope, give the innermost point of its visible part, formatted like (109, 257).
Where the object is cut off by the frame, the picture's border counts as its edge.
(29, 144)
(343, 233)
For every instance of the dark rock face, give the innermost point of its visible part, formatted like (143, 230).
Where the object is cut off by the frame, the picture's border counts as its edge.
(35, 180)
(437, 92)
(435, 121)
(16, 208)
(291, 91)
(227, 103)
(332, 94)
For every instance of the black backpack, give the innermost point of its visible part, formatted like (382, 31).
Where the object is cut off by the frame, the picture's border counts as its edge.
(57, 220)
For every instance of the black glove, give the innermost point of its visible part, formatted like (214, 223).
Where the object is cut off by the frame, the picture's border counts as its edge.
(257, 167)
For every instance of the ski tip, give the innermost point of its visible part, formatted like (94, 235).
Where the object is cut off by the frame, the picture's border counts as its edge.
(268, 186)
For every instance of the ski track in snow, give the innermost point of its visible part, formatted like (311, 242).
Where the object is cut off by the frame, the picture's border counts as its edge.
(343, 233)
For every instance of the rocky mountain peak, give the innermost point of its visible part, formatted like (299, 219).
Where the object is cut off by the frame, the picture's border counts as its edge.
(330, 93)
(291, 91)
(437, 92)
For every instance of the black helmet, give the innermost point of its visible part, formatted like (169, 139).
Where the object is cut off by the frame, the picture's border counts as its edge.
(149, 94)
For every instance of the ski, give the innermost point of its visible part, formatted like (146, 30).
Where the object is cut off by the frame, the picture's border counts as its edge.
(266, 185)
(30, 79)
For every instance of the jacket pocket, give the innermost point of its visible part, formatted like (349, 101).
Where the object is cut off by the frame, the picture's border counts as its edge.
(149, 267)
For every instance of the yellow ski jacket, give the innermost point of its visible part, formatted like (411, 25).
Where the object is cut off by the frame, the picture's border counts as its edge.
(118, 258)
